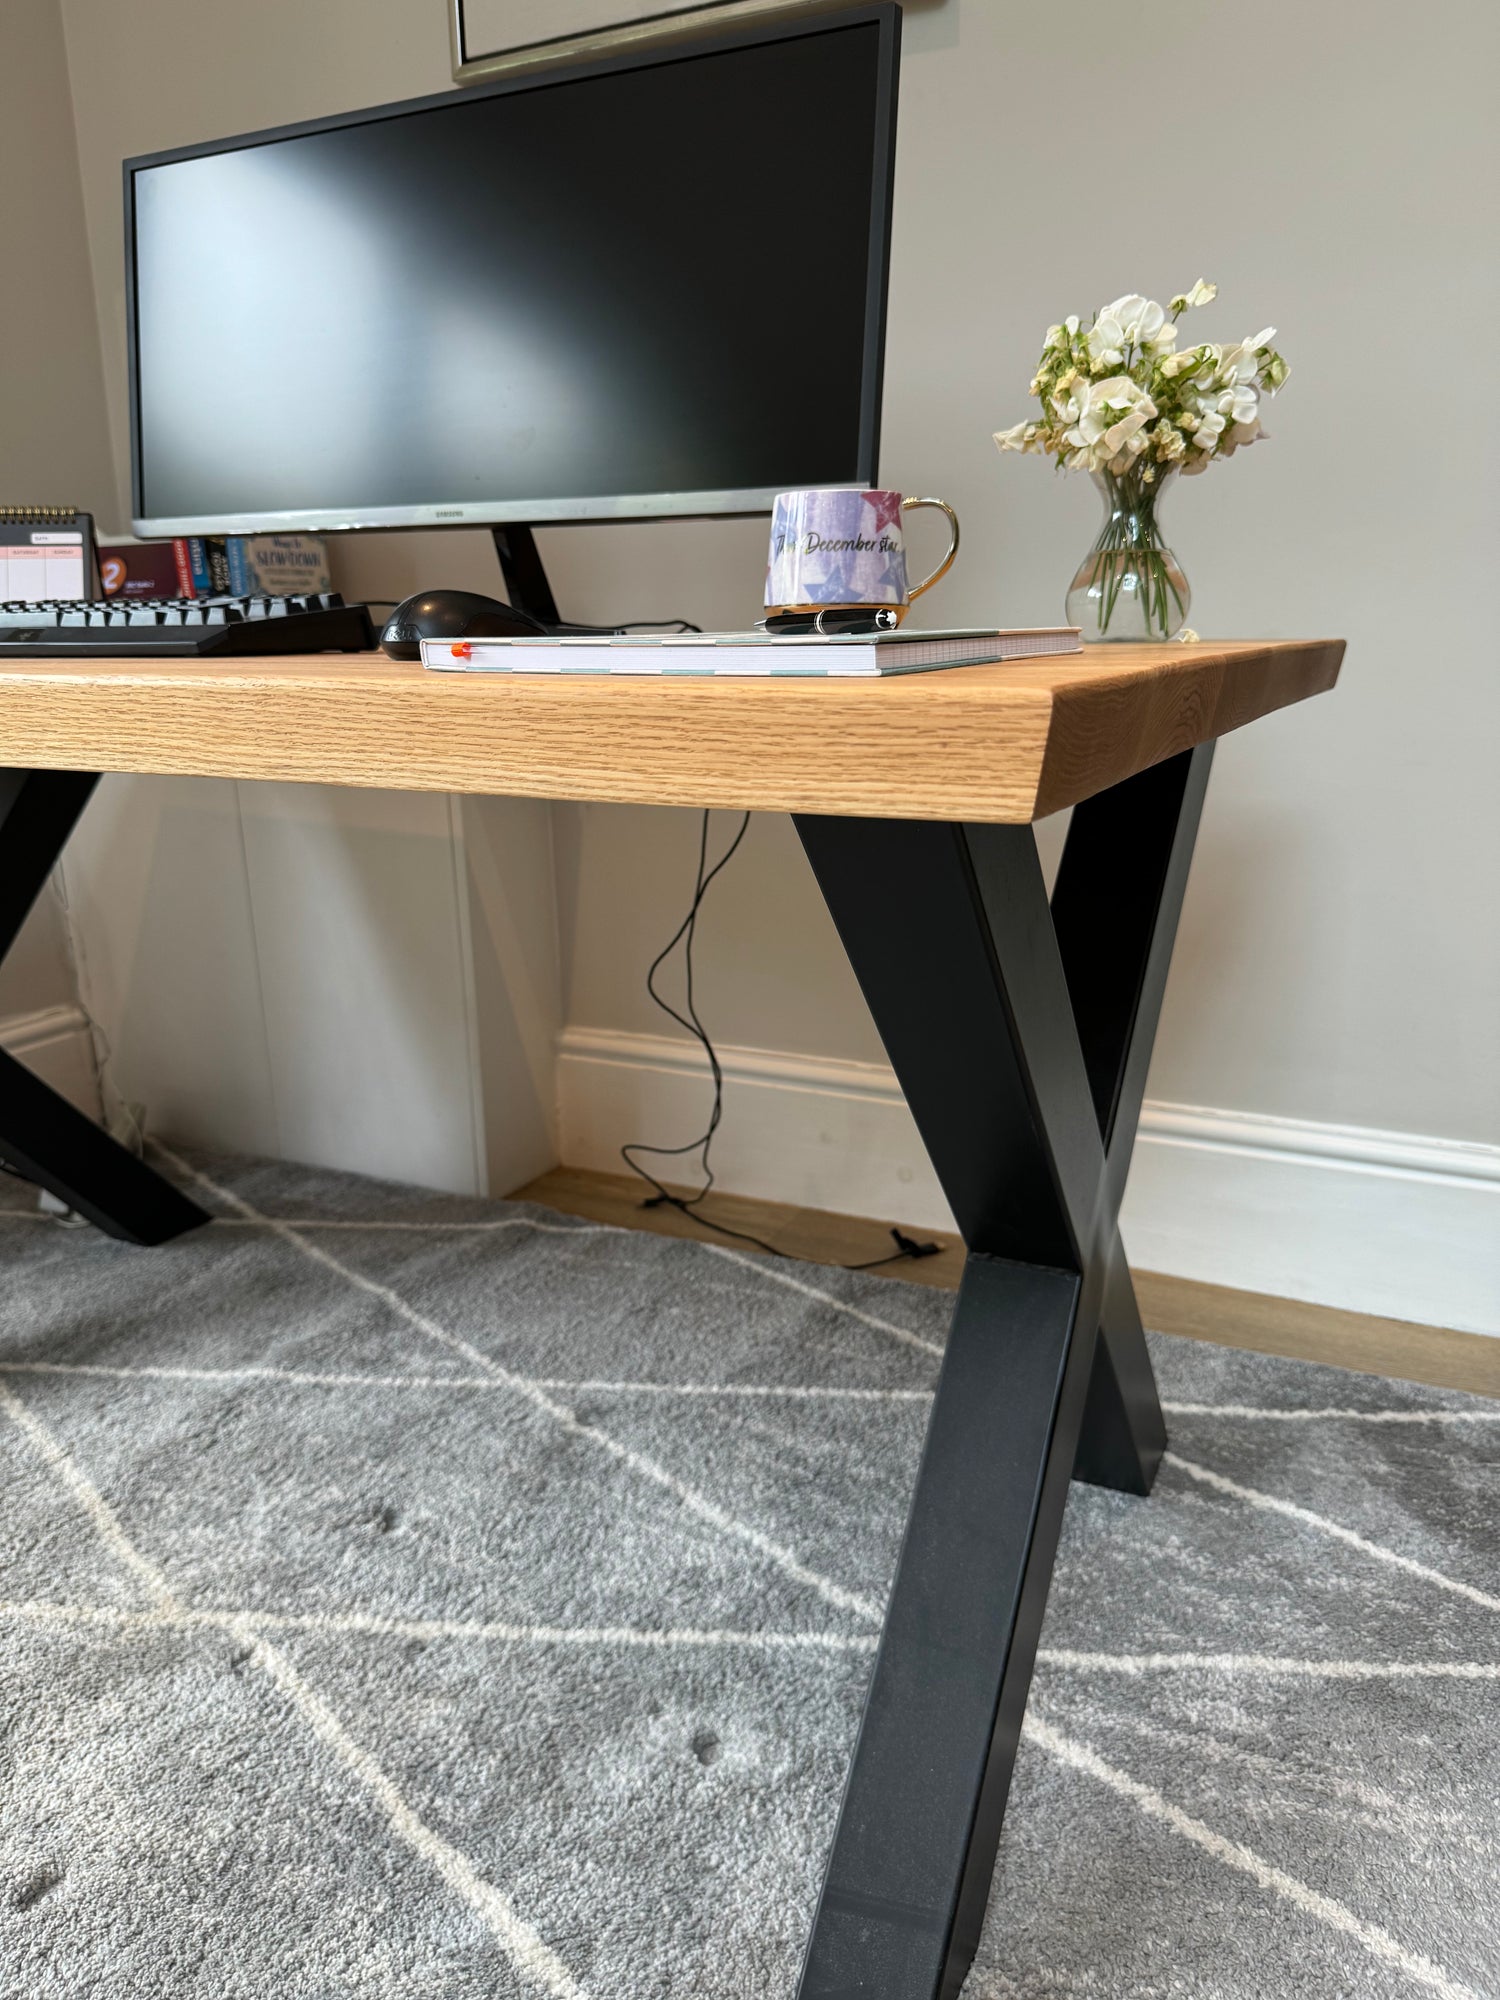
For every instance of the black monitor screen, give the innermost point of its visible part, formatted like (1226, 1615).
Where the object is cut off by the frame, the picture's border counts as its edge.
(655, 286)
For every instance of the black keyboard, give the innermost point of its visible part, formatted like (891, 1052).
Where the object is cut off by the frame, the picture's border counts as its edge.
(74, 628)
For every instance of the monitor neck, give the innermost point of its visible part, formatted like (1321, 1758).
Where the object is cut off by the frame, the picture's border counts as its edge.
(526, 582)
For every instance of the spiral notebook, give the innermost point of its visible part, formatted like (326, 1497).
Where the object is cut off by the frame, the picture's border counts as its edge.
(861, 656)
(45, 553)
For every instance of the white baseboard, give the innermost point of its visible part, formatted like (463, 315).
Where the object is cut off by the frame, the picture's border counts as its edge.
(1378, 1222)
(55, 1044)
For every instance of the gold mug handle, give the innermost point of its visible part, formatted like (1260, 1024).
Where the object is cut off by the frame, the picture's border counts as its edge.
(915, 590)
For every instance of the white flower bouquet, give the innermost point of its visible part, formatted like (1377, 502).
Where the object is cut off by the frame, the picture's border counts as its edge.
(1121, 400)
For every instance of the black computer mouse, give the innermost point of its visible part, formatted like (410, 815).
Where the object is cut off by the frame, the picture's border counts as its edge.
(451, 614)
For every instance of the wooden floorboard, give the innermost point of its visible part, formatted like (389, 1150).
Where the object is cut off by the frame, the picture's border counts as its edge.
(1406, 1352)
(810, 1233)
(1441, 1356)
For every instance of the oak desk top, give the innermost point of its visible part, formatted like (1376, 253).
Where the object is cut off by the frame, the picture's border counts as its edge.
(1008, 743)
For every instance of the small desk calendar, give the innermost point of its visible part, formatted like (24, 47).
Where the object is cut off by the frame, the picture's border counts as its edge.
(45, 553)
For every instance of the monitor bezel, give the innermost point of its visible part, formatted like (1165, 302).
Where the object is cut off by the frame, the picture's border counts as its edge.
(334, 519)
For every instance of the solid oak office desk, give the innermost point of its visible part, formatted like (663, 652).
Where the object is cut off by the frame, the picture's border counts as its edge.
(1020, 1034)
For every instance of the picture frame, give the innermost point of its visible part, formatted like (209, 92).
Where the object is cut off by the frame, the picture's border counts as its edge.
(497, 38)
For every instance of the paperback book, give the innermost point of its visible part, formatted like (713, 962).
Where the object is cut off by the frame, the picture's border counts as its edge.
(824, 656)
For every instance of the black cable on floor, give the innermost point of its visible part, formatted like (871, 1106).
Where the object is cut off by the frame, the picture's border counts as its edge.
(689, 1205)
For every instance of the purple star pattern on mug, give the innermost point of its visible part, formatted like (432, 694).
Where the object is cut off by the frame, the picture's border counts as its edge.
(835, 586)
(893, 578)
(886, 508)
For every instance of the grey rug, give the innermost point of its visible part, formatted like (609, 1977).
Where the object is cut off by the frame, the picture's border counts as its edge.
(408, 1596)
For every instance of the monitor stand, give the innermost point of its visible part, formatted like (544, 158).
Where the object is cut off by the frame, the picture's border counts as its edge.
(526, 582)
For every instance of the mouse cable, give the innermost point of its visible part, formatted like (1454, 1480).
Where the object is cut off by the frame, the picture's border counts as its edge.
(588, 631)
(631, 625)
(689, 1205)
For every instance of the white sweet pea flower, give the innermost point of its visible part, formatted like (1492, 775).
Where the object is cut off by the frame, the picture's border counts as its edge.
(1020, 437)
(1236, 364)
(1263, 364)
(1201, 294)
(1203, 363)
(1211, 427)
(1113, 412)
(1130, 321)
(1237, 404)
(1070, 401)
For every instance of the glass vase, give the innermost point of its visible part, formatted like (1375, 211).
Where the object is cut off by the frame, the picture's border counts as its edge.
(1130, 585)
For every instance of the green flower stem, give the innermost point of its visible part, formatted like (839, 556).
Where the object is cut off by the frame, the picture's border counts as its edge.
(1130, 546)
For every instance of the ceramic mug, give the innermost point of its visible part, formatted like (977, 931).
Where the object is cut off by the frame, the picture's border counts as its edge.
(844, 546)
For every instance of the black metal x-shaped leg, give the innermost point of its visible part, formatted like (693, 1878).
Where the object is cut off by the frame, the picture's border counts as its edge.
(1020, 1034)
(41, 1135)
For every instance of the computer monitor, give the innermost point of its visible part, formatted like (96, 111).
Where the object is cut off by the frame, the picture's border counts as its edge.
(653, 285)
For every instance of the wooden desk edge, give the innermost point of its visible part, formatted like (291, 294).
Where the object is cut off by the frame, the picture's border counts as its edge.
(1092, 743)
(1001, 744)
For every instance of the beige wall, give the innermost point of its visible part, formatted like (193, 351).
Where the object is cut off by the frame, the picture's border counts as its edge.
(36, 973)
(54, 443)
(1335, 174)
(1335, 171)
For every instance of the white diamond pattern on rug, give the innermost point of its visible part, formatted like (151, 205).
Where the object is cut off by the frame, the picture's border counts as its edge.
(415, 1595)
(432, 1504)
(157, 1796)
